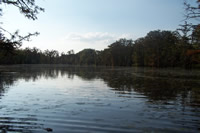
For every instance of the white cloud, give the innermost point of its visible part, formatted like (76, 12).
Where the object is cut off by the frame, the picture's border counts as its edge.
(95, 37)
(94, 40)
(89, 37)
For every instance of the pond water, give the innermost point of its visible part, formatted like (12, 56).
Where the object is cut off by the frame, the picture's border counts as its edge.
(60, 99)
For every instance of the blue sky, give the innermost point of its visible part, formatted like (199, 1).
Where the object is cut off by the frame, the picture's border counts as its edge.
(79, 24)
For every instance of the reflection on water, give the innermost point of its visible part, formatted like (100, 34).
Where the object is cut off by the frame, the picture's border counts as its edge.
(98, 99)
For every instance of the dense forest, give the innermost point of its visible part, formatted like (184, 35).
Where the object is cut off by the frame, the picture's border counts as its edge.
(156, 49)
(179, 48)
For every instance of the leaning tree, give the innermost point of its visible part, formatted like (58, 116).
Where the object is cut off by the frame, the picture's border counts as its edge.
(30, 10)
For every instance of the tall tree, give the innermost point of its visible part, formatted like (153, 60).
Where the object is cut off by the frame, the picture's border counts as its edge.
(157, 49)
(121, 52)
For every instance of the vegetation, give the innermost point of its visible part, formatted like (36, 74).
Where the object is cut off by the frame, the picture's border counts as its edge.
(192, 12)
(30, 10)
(156, 49)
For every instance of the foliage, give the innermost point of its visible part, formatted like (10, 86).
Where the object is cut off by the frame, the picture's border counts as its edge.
(192, 12)
(30, 10)
(27, 7)
(191, 28)
(156, 49)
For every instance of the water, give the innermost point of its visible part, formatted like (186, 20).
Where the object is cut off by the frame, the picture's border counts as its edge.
(64, 99)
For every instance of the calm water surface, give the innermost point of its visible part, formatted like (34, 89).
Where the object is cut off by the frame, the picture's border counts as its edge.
(64, 99)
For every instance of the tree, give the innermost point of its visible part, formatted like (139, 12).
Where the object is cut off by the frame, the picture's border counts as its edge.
(70, 52)
(191, 29)
(121, 52)
(30, 10)
(27, 7)
(192, 12)
(138, 52)
(196, 35)
(87, 57)
(157, 49)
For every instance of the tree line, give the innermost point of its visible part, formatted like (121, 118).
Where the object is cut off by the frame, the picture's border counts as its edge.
(156, 49)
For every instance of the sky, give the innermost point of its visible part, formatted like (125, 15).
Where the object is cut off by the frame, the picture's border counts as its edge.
(80, 24)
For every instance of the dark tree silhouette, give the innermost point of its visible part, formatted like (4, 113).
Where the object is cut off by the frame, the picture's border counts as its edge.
(27, 7)
(30, 10)
(192, 12)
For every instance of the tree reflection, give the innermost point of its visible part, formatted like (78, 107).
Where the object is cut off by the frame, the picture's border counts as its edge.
(155, 84)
